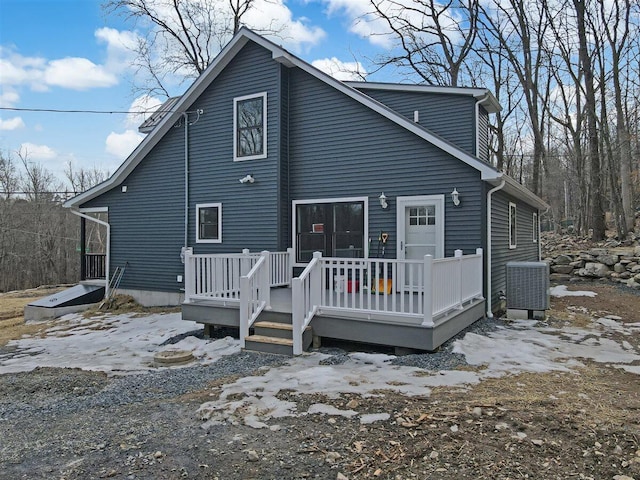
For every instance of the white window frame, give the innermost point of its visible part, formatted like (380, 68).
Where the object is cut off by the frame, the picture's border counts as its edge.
(295, 204)
(209, 205)
(535, 227)
(513, 242)
(237, 158)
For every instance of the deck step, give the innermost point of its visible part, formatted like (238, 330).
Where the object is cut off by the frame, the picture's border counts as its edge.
(274, 325)
(262, 343)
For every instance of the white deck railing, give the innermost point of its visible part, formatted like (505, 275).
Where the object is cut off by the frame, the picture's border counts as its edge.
(385, 289)
(216, 277)
(255, 294)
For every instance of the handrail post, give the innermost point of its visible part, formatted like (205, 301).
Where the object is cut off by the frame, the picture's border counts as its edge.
(291, 259)
(245, 264)
(480, 274)
(315, 280)
(297, 316)
(428, 291)
(189, 274)
(265, 280)
(244, 309)
(458, 254)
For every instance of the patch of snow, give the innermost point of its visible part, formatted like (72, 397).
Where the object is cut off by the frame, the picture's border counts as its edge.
(330, 410)
(562, 291)
(116, 344)
(368, 418)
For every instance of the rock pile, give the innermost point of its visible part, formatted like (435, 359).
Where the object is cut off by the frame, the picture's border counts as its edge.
(620, 264)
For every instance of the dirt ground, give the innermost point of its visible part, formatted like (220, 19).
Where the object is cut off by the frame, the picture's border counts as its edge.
(583, 424)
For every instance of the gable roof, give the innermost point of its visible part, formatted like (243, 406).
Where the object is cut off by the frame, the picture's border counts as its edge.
(166, 121)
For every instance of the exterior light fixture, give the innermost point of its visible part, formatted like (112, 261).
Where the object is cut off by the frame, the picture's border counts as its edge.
(247, 179)
(383, 200)
(455, 197)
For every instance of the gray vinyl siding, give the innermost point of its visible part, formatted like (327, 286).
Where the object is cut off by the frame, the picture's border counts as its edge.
(340, 148)
(526, 249)
(449, 116)
(483, 133)
(148, 221)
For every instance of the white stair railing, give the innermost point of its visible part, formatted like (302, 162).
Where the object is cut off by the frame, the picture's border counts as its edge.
(305, 299)
(255, 294)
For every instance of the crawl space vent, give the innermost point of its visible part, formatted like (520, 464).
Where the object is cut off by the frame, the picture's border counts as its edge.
(527, 286)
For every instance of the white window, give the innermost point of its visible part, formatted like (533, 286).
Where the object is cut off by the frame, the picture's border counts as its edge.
(512, 226)
(250, 127)
(209, 223)
(536, 227)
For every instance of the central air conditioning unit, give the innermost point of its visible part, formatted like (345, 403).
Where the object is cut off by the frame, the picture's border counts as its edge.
(527, 286)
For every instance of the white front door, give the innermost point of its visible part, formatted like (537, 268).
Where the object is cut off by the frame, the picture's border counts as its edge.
(420, 226)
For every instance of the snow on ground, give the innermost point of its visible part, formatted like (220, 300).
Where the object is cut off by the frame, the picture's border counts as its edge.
(523, 346)
(121, 344)
(562, 291)
(117, 344)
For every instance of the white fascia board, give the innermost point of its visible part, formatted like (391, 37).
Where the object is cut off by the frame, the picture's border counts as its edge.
(151, 140)
(519, 191)
(490, 102)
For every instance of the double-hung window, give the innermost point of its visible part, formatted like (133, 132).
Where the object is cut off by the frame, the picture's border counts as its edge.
(209, 223)
(250, 127)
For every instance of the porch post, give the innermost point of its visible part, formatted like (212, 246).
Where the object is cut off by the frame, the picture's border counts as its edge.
(244, 309)
(265, 280)
(428, 291)
(316, 281)
(297, 317)
(458, 255)
(189, 274)
(83, 248)
(292, 260)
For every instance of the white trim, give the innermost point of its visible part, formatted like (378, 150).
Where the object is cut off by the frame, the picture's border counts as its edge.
(419, 200)
(236, 158)
(208, 205)
(535, 227)
(487, 99)
(489, 249)
(513, 242)
(94, 210)
(294, 219)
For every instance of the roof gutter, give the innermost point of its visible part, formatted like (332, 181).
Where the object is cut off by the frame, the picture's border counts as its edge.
(108, 253)
(488, 282)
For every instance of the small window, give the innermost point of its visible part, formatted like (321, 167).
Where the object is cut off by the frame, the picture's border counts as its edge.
(250, 127)
(209, 223)
(512, 226)
(536, 227)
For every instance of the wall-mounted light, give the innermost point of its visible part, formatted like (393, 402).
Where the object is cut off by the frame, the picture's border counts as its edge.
(247, 179)
(383, 200)
(455, 197)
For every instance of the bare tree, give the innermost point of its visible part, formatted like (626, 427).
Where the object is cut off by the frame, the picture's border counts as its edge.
(433, 38)
(184, 38)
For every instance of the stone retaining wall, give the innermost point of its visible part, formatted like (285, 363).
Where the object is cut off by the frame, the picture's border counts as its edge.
(620, 264)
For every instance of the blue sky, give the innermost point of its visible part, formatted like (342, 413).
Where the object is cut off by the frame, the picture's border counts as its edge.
(71, 55)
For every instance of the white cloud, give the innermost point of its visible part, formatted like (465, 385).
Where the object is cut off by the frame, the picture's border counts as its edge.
(122, 144)
(8, 97)
(341, 70)
(11, 124)
(274, 15)
(120, 48)
(37, 152)
(78, 74)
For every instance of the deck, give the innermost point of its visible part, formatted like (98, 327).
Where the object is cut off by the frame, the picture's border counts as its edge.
(327, 299)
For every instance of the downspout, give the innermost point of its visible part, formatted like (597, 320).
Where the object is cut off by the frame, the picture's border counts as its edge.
(486, 95)
(185, 115)
(489, 193)
(108, 255)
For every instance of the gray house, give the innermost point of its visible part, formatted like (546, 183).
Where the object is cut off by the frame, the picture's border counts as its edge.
(374, 203)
